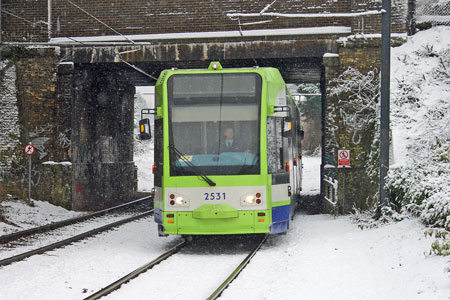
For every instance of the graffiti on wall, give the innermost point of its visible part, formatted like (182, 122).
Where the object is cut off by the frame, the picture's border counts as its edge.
(19, 175)
(351, 121)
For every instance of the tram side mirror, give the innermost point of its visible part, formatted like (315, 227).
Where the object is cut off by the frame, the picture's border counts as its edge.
(287, 127)
(144, 129)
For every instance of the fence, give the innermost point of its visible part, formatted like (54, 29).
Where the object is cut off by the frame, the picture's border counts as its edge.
(331, 190)
(436, 12)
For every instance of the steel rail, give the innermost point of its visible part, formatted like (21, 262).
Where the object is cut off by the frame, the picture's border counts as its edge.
(216, 294)
(55, 225)
(73, 239)
(117, 284)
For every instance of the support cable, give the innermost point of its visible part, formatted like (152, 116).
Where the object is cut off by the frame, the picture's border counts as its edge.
(267, 7)
(245, 42)
(136, 68)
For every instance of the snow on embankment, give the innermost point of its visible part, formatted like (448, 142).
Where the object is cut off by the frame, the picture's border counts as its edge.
(21, 216)
(420, 116)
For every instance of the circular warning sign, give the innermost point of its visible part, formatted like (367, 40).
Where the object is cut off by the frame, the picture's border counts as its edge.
(29, 149)
(343, 154)
(344, 158)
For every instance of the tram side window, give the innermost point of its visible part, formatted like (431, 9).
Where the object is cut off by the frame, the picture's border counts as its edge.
(158, 153)
(274, 144)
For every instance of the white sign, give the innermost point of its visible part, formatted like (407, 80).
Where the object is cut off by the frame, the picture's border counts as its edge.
(29, 149)
(343, 157)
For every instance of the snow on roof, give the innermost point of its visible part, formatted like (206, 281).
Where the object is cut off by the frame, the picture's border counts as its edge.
(331, 55)
(63, 163)
(319, 15)
(433, 18)
(370, 36)
(210, 34)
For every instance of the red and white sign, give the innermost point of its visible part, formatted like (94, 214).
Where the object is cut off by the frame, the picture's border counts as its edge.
(29, 149)
(343, 157)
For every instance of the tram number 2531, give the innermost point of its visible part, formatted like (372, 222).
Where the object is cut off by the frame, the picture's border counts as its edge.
(214, 196)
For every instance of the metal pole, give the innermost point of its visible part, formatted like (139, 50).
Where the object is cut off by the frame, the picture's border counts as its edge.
(385, 90)
(29, 178)
(49, 19)
(0, 30)
(343, 189)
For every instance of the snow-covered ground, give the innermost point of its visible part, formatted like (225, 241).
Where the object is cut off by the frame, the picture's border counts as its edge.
(321, 257)
(21, 216)
(77, 270)
(41, 240)
(311, 175)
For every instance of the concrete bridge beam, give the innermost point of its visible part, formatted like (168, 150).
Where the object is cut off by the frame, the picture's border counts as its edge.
(202, 51)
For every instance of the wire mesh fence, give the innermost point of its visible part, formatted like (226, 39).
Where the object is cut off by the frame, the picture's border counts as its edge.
(433, 11)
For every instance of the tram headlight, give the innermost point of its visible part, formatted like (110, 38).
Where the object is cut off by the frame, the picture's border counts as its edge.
(179, 200)
(250, 199)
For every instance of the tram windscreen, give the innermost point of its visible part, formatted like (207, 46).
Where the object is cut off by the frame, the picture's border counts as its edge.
(214, 122)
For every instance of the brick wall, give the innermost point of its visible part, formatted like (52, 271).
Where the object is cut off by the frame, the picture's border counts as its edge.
(343, 130)
(38, 115)
(137, 17)
(29, 22)
(371, 24)
(9, 122)
(162, 16)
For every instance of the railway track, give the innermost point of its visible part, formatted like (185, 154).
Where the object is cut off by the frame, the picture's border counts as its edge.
(56, 225)
(216, 294)
(78, 237)
(117, 284)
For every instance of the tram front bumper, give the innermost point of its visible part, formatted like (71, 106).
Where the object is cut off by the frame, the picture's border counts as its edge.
(238, 222)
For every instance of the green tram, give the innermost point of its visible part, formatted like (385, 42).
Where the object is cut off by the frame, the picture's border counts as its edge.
(227, 156)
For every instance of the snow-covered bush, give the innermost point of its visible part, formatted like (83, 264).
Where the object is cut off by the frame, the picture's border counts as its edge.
(419, 180)
(441, 245)
(371, 218)
(424, 187)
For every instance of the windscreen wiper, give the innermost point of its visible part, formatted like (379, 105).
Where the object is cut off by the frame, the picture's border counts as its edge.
(193, 168)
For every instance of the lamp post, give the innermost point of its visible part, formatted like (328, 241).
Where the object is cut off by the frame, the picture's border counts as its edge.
(0, 30)
(385, 90)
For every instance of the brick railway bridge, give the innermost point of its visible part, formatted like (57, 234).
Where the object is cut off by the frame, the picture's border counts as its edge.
(68, 81)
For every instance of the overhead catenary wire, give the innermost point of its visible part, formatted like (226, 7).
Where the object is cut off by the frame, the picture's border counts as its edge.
(100, 21)
(118, 54)
(82, 43)
(240, 29)
(38, 23)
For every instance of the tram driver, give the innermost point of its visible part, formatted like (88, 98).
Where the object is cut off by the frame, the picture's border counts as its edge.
(230, 143)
